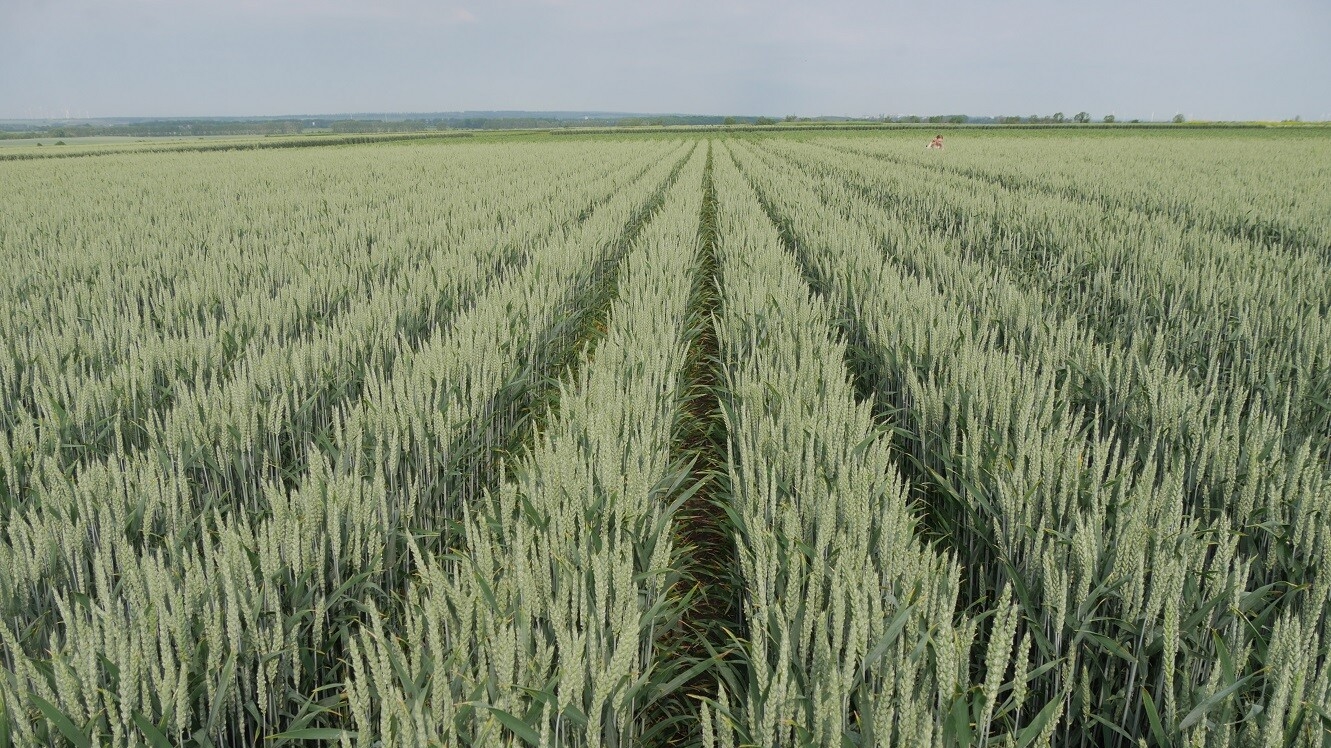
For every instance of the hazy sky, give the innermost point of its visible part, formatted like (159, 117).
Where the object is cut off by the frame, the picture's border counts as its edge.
(1210, 59)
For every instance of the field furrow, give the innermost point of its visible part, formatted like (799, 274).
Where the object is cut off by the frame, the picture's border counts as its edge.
(708, 585)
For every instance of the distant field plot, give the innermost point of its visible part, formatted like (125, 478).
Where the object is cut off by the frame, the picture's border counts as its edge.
(94, 140)
(48, 147)
(712, 439)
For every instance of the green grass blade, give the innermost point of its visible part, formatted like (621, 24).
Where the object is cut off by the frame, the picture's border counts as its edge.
(61, 722)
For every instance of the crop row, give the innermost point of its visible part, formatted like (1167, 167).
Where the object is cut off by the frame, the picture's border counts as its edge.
(1164, 552)
(205, 586)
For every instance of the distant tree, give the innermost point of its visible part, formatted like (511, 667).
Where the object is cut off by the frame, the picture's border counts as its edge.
(1135, 121)
(1058, 118)
(728, 121)
(958, 119)
(1179, 119)
(1082, 117)
(790, 118)
(1034, 119)
(1109, 119)
(935, 119)
(912, 118)
(764, 121)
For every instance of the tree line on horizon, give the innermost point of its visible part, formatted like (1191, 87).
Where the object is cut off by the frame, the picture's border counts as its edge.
(354, 125)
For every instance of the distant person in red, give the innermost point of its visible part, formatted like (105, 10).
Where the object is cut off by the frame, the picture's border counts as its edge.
(937, 142)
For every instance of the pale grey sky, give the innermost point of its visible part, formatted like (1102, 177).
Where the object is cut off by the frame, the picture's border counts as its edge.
(1210, 59)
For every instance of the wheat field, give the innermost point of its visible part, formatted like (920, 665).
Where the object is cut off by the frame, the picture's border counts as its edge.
(708, 439)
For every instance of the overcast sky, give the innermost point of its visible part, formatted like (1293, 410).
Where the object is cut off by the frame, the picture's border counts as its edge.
(1209, 59)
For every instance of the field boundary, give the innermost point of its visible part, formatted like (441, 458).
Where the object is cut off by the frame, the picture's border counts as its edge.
(254, 145)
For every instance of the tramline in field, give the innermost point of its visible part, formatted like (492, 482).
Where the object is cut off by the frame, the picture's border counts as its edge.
(723, 441)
